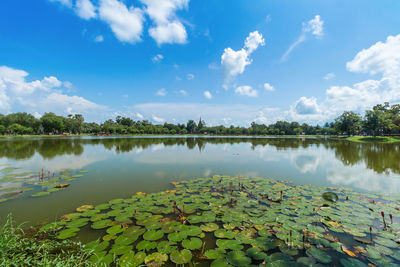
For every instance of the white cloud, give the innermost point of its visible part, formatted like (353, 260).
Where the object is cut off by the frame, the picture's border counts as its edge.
(139, 116)
(99, 39)
(207, 94)
(234, 62)
(381, 58)
(268, 18)
(157, 58)
(306, 106)
(190, 76)
(246, 90)
(85, 9)
(161, 92)
(213, 114)
(157, 119)
(329, 76)
(67, 3)
(315, 27)
(182, 92)
(126, 23)
(39, 96)
(168, 28)
(268, 87)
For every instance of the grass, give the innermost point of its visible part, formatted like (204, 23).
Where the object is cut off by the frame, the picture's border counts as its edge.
(377, 139)
(34, 248)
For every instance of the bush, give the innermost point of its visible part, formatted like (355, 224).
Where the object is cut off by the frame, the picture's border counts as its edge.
(34, 248)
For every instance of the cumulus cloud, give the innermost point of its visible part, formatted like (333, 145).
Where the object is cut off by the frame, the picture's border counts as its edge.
(39, 96)
(157, 58)
(190, 76)
(157, 119)
(268, 87)
(126, 23)
(67, 3)
(182, 92)
(213, 114)
(85, 9)
(168, 28)
(246, 90)
(314, 27)
(207, 94)
(161, 92)
(99, 39)
(382, 58)
(306, 106)
(329, 76)
(234, 62)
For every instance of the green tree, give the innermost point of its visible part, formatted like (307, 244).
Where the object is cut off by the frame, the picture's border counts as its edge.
(52, 123)
(348, 123)
(191, 126)
(376, 121)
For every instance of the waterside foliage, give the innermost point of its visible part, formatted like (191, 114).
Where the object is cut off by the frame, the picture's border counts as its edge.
(380, 120)
(31, 247)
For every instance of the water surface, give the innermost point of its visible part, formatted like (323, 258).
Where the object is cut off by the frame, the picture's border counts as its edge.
(121, 166)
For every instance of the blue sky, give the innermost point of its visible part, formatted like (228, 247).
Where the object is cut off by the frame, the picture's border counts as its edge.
(174, 60)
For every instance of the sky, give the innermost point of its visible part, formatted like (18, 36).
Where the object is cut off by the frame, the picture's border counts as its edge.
(174, 60)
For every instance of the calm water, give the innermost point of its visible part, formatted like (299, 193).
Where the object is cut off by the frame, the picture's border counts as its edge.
(120, 167)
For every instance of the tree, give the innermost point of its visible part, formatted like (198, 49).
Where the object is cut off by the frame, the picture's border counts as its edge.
(52, 123)
(3, 129)
(348, 123)
(191, 126)
(375, 121)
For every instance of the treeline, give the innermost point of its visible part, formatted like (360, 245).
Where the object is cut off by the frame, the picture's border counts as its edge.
(381, 120)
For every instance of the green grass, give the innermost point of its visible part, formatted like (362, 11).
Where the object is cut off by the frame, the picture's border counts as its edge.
(34, 248)
(371, 139)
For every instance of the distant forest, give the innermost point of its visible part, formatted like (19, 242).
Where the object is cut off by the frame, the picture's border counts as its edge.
(382, 119)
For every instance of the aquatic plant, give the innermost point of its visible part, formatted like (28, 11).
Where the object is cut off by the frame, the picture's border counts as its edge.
(239, 221)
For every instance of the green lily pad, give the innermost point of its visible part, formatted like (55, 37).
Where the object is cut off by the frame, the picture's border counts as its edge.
(131, 259)
(116, 229)
(319, 255)
(181, 256)
(238, 258)
(156, 259)
(209, 227)
(146, 245)
(215, 253)
(330, 196)
(101, 224)
(222, 233)
(67, 233)
(256, 253)
(192, 244)
(153, 235)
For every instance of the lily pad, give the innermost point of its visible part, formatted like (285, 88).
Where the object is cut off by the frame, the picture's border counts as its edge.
(192, 244)
(238, 258)
(181, 256)
(153, 235)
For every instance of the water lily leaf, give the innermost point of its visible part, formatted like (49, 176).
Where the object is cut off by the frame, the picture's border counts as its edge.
(319, 255)
(41, 194)
(166, 247)
(330, 196)
(153, 225)
(131, 259)
(67, 233)
(84, 208)
(256, 253)
(288, 250)
(120, 249)
(181, 256)
(265, 243)
(192, 244)
(217, 253)
(177, 236)
(373, 253)
(116, 229)
(156, 259)
(386, 242)
(153, 235)
(220, 263)
(238, 258)
(124, 240)
(77, 223)
(306, 261)
(209, 227)
(101, 224)
(352, 263)
(222, 233)
(146, 245)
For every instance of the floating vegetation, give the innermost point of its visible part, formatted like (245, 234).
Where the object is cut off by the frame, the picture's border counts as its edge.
(48, 182)
(238, 221)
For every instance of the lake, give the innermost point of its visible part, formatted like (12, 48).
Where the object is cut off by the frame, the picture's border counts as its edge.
(118, 167)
